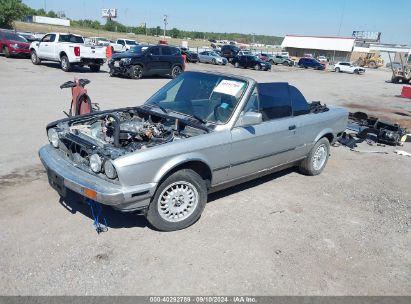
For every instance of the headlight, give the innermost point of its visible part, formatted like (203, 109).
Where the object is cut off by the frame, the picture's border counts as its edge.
(53, 137)
(109, 169)
(95, 163)
(125, 60)
(14, 46)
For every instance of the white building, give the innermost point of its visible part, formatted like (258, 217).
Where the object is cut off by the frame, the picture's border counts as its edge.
(337, 48)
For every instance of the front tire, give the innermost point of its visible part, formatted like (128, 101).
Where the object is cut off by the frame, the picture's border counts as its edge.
(236, 65)
(337, 70)
(34, 58)
(257, 67)
(6, 52)
(136, 72)
(317, 159)
(179, 201)
(65, 64)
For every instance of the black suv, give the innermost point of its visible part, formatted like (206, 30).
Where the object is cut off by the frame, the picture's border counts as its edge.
(251, 61)
(144, 60)
(229, 51)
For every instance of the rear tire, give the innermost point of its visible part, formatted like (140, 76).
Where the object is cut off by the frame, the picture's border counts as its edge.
(65, 64)
(317, 159)
(94, 68)
(176, 71)
(6, 52)
(178, 202)
(34, 58)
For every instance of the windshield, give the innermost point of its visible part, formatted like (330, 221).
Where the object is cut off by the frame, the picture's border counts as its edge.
(214, 54)
(14, 37)
(131, 42)
(102, 39)
(211, 98)
(255, 58)
(138, 49)
(71, 38)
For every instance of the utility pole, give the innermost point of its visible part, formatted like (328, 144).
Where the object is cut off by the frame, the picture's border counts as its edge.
(165, 25)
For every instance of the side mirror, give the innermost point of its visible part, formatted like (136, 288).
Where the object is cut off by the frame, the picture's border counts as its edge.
(250, 118)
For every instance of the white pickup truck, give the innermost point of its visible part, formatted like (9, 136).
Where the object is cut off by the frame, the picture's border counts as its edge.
(69, 50)
(104, 42)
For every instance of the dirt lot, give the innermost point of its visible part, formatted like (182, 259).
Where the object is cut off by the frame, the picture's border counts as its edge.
(346, 231)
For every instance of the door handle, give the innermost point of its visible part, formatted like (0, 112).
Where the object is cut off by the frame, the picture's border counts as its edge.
(293, 127)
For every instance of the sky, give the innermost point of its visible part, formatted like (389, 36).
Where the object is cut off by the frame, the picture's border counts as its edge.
(276, 18)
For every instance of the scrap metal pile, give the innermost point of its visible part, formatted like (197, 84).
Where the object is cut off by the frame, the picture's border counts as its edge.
(362, 127)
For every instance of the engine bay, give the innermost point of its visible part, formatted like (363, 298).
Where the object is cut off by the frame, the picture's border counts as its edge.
(120, 132)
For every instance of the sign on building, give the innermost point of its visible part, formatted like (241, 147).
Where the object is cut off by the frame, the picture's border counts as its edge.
(367, 36)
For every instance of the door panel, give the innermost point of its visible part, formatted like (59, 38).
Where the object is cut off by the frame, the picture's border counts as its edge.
(261, 146)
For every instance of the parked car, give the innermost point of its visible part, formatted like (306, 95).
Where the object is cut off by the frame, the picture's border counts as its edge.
(244, 52)
(266, 57)
(278, 59)
(117, 47)
(229, 51)
(322, 59)
(126, 43)
(200, 133)
(211, 57)
(101, 41)
(68, 50)
(190, 56)
(218, 52)
(12, 44)
(251, 61)
(307, 62)
(142, 60)
(348, 67)
(28, 36)
(97, 41)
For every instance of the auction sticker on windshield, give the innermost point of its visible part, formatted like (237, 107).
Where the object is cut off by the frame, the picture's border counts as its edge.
(229, 87)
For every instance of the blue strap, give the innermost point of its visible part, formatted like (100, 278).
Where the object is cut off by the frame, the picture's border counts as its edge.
(96, 217)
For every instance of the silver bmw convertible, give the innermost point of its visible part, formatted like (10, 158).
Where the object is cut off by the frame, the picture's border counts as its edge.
(200, 133)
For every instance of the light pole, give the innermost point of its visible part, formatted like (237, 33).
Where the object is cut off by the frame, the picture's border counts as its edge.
(165, 25)
(339, 27)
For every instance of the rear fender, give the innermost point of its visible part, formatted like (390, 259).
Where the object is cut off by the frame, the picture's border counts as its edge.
(327, 131)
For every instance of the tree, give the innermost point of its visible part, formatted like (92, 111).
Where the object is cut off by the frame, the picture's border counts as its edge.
(51, 14)
(41, 12)
(11, 10)
(174, 33)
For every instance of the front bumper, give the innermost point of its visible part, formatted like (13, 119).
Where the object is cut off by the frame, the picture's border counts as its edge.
(119, 68)
(63, 174)
(19, 52)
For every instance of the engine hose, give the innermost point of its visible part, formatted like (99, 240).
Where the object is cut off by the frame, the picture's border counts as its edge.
(116, 129)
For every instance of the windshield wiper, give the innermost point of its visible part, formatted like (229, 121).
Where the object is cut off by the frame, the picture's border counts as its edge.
(198, 118)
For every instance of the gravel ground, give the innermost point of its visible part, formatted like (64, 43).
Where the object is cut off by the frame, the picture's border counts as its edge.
(344, 232)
